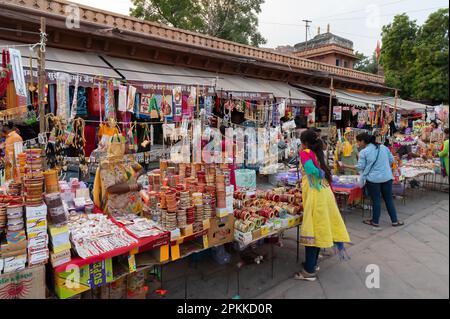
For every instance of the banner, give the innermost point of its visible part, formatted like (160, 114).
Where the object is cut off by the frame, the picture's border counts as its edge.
(18, 74)
(337, 113)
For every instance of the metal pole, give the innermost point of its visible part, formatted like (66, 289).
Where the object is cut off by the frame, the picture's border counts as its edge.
(41, 74)
(306, 31)
(330, 106)
(395, 106)
(330, 102)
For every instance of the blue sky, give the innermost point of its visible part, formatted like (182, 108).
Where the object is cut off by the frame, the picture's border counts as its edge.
(358, 20)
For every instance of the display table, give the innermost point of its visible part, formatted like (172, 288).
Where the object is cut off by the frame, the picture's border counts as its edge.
(353, 194)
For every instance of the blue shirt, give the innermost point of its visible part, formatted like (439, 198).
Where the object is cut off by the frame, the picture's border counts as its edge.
(381, 171)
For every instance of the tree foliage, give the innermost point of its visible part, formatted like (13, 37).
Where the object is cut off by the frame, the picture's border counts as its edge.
(365, 63)
(415, 58)
(234, 20)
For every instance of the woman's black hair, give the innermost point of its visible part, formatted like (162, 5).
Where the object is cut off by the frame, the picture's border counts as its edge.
(367, 138)
(446, 130)
(315, 144)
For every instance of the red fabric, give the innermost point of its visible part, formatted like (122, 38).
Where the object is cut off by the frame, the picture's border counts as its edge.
(93, 106)
(354, 194)
(90, 133)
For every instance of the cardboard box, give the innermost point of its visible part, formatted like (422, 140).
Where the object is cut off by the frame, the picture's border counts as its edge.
(276, 223)
(14, 253)
(16, 237)
(187, 231)
(60, 248)
(221, 230)
(28, 283)
(175, 234)
(38, 256)
(38, 242)
(58, 259)
(223, 212)
(243, 238)
(36, 223)
(35, 233)
(36, 212)
(256, 234)
(8, 248)
(74, 281)
(13, 264)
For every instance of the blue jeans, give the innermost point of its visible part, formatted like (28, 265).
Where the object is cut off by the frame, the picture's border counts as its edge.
(376, 190)
(311, 257)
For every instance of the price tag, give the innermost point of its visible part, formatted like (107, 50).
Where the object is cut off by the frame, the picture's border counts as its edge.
(205, 241)
(132, 263)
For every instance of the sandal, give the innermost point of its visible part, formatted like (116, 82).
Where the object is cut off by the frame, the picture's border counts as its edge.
(303, 275)
(399, 223)
(371, 223)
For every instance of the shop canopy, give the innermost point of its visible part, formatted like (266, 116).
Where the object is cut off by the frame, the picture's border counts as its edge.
(224, 84)
(407, 106)
(68, 61)
(366, 99)
(147, 72)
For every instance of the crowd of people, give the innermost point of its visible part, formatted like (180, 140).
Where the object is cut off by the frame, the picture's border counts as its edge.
(323, 226)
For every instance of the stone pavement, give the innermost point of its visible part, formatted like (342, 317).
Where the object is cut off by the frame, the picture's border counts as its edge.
(413, 262)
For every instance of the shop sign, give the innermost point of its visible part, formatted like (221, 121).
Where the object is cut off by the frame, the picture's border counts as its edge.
(337, 113)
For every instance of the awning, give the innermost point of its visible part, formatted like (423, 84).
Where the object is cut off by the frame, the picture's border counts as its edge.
(160, 73)
(407, 105)
(60, 60)
(348, 97)
(224, 84)
(366, 99)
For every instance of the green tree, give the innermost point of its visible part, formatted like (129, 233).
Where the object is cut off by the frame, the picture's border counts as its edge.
(431, 63)
(365, 63)
(234, 20)
(397, 54)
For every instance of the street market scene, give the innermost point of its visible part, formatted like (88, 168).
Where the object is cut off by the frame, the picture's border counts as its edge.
(163, 149)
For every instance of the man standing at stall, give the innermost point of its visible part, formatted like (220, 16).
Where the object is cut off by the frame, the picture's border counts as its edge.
(11, 137)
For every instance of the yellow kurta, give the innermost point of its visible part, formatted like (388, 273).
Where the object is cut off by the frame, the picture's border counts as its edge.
(322, 222)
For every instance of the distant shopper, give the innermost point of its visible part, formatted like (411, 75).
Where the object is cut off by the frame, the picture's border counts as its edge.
(322, 225)
(347, 153)
(374, 165)
(443, 155)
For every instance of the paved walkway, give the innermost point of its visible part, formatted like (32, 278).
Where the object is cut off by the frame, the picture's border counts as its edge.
(413, 261)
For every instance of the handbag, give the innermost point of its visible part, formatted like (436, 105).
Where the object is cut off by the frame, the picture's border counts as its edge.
(117, 145)
(362, 178)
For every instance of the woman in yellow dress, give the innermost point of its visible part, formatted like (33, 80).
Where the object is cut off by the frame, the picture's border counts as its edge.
(322, 226)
